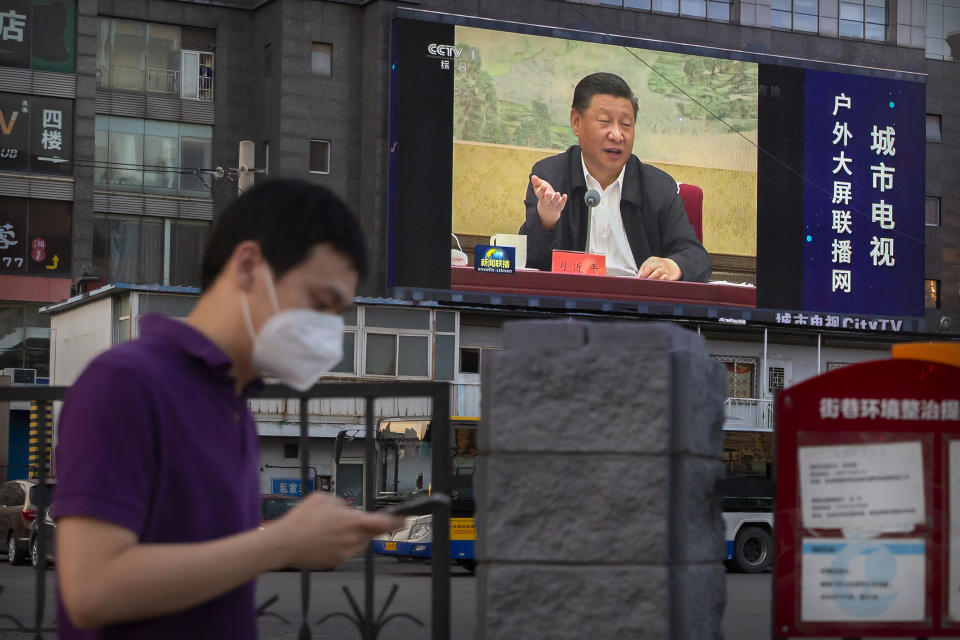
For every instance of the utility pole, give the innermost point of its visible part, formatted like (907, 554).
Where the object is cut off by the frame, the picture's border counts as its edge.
(245, 168)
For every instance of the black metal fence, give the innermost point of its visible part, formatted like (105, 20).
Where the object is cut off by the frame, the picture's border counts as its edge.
(368, 620)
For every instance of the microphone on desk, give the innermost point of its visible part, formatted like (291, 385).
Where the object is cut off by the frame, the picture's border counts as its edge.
(592, 200)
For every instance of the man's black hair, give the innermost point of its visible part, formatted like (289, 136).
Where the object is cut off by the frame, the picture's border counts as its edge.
(288, 218)
(602, 83)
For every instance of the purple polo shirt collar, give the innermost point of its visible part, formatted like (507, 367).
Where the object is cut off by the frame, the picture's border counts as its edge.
(197, 345)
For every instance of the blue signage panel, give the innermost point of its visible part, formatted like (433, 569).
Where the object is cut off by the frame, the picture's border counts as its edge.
(289, 487)
(863, 217)
(494, 259)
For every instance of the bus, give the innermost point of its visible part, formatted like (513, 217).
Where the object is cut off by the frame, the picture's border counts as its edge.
(748, 491)
(403, 472)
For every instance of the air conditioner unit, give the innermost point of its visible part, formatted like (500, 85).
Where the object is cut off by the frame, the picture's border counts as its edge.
(21, 376)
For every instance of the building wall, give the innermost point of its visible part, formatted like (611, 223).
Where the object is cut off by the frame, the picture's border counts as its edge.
(321, 459)
(77, 337)
(943, 161)
(288, 105)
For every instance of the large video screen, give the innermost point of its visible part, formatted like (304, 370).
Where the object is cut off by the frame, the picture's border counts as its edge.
(810, 176)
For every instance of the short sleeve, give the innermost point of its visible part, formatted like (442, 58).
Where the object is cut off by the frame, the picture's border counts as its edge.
(105, 457)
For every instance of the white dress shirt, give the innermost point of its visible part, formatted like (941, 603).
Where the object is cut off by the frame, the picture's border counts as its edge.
(607, 235)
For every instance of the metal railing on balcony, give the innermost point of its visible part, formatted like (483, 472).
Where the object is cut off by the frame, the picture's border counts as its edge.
(368, 621)
(749, 413)
(117, 77)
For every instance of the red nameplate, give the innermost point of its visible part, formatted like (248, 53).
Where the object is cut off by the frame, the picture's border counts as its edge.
(578, 262)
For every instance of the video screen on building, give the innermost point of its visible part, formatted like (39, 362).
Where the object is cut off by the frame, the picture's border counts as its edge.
(803, 181)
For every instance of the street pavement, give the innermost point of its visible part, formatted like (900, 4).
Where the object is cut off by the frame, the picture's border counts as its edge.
(747, 615)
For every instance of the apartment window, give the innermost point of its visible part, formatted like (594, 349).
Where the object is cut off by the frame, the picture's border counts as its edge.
(718, 10)
(147, 250)
(693, 8)
(319, 156)
(863, 19)
(931, 294)
(710, 9)
(666, 6)
(25, 340)
(932, 211)
(291, 450)
(121, 316)
(741, 375)
(943, 29)
(197, 73)
(776, 379)
(183, 251)
(471, 358)
(397, 342)
(933, 128)
(151, 155)
(348, 363)
(795, 15)
(321, 59)
(148, 57)
(445, 345)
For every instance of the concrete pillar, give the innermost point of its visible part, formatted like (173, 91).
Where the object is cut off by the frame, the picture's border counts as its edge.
(596, 513)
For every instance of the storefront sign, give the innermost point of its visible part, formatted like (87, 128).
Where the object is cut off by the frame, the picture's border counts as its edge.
(289, 487)
(35, 237)
(868, 580)
(38, 34)
(36, 134)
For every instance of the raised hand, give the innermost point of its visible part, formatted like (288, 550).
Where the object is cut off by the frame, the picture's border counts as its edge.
(549, 203)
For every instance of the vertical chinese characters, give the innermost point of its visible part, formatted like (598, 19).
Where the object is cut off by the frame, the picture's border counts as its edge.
(881, 213)
(842, 251)
(12, 25)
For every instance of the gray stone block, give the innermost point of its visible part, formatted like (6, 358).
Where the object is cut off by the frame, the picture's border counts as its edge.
(698, 600)
(544, 335)
(612, 400)
(632, 335)
(697, 534)
(572, 603)
(699, 391)
(572, 508)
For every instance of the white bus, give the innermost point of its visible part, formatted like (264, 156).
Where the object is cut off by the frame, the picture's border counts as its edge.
(748, 498)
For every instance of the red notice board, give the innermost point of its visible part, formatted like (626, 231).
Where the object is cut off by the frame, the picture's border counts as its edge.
(868, 470)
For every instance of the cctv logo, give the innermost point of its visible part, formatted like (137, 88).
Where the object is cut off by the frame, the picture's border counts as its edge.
(444, 50)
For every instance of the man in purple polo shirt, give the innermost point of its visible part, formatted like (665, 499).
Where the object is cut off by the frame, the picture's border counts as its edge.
(157, 504)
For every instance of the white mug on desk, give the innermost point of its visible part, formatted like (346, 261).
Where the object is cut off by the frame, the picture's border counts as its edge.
(517, 241)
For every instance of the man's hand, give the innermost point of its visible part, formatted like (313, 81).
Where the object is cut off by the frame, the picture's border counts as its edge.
(322, 532)
(655, 268)
(549, 203)
(107, 576)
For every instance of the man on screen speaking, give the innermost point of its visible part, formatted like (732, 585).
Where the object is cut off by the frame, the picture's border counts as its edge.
(640, 224)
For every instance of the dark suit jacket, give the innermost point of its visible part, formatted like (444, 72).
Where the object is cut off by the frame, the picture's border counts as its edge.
(653, 216)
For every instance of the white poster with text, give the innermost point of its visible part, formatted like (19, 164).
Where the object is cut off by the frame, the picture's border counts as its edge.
(875, 488)
(848, 580)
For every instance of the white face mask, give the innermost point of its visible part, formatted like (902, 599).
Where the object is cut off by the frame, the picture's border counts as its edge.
(297, 345)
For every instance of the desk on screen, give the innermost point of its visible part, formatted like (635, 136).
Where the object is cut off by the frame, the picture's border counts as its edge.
(563, 285)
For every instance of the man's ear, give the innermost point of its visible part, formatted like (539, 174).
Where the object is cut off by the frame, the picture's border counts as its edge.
(244, 261)
(575, 121)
